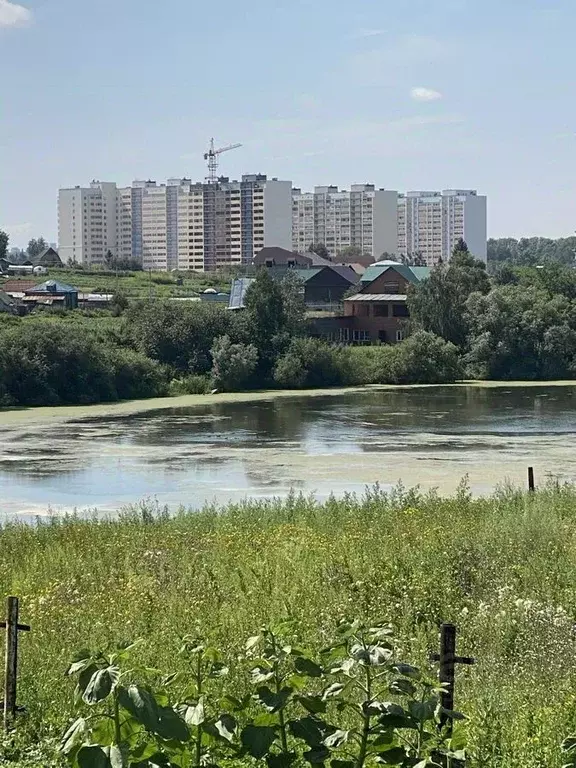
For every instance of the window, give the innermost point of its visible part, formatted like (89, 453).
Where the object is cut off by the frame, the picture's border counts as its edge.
(399, 335)
(400, 310)
(360, 336)
(381, 335)
(380, 310)
(391, 287)
(344, 334)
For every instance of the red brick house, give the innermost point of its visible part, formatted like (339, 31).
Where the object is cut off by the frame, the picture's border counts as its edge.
(378, 312)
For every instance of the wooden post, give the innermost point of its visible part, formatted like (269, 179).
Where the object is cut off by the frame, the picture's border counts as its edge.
(448, 659)
(531, 485)
(12, 628)
(11, 667)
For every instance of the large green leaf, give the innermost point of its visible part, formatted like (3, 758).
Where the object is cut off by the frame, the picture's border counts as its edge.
(257, 739)
(402, 687)
(261, 674)
(273, 701)
(94, 757)
(226, 726)
(74, 736)
(141, 704)
(422, 710)
(79, 663)
(316, 755)
(307, 667)
(193, 714)
(84, 679)
(394, 756)
(171, 726)
(313, 704)
(336, 739)
(308, 729)
(281, 760)
(118, 756)
(101, 685)
(333, 690)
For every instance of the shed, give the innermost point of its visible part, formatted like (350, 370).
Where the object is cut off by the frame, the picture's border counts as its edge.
(53, 292)
(48, 258)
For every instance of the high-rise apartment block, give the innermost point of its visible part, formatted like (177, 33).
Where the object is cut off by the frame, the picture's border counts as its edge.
(177, 225)
(203, 226)
(431, 223)
(365, 217)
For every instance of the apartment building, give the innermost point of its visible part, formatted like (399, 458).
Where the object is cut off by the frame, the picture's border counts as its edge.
(431, 223)
(363, 216)
(180, 224)
(87, 222)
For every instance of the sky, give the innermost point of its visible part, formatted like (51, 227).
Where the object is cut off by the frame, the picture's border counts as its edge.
(405, 94)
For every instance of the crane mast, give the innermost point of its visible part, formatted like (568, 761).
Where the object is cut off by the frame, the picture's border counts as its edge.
(211, 156)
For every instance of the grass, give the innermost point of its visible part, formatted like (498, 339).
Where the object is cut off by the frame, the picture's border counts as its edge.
(502, 568)
(135, 284)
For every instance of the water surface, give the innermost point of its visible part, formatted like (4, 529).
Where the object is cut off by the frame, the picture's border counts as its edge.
(230, 450)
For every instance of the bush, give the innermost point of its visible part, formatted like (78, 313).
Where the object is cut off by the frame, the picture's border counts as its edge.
(190, 385)
(372, 365)
(312, 363)
(427, 359)
(233, 364)
(47, 362)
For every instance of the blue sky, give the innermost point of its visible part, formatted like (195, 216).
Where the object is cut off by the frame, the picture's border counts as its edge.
(408, 94)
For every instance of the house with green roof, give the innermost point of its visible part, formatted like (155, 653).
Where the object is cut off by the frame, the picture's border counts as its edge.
(379, 312)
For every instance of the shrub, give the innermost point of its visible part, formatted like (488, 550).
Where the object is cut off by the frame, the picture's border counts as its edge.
(427, 359)
(233, 364)
(189, 385)
(312, 363)
(372, 365)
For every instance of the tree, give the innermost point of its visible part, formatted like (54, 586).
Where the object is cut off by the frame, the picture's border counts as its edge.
(36, 247)
(233, 365)
(438, 304)
(4, 238)
(522, 332)
(351, 252)
(427, 359)
(319, 249)
(276, 314)
(311, 363)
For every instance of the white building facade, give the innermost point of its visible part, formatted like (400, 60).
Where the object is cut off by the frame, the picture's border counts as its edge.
(87, 227)
(431, 223)
(364, 217)
(177, 225)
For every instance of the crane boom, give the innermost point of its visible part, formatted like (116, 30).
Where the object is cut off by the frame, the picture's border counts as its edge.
(212, 158)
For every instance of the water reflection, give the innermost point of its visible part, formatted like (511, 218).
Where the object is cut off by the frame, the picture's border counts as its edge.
(322, 444)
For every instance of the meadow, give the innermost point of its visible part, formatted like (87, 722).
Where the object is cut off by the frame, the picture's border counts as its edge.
(502, 568)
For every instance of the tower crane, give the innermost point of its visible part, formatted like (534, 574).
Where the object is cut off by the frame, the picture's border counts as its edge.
(212, 157)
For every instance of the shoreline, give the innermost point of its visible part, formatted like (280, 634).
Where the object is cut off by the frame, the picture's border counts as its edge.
(32, 414)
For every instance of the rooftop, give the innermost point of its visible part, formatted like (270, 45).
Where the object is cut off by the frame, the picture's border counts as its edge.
(378, 297)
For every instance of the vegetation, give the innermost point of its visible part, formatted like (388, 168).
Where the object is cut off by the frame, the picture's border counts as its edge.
(500, 568)
(520, 325)
(530, 251)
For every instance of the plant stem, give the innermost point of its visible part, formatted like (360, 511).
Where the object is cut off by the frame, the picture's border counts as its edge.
(278, 683)
(117, 734)
(198, 751)
(366, 716)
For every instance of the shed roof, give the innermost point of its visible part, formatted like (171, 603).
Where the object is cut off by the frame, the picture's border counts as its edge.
(412, 274)
(378, 297)
(52, 286)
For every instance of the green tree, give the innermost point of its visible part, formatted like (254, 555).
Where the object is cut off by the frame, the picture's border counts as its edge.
(36, 247)
(427, 359)
(4, 238)
(351, 252)
(233, 365)
(438, 304)
(521, 332)
(319, 249)
(311, 363)
(267, 321)
(177, 335)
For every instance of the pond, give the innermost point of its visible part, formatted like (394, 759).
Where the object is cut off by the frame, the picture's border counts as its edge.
(335, 443)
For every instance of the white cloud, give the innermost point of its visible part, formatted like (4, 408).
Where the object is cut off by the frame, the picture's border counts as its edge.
(13, 14)
(425, 94)
(369, 33)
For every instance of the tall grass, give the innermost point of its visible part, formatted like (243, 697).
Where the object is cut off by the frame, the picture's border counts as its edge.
(503, 569)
